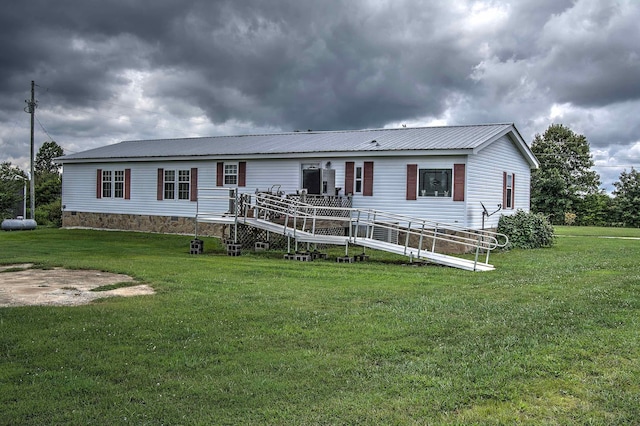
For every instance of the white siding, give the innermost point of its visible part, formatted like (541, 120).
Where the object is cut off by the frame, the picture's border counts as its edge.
(390, 184)
(485, 181)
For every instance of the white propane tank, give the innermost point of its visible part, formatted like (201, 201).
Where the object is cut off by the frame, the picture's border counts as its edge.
(18, 224)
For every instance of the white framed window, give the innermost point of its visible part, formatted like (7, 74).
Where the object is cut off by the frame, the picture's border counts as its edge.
(508, 190)
(177, 184)
(434, 182)
(358, 180)
(169, 184)
(184, 180)
(118, 184)
(230, 173)
(107, 183)
(113, 184)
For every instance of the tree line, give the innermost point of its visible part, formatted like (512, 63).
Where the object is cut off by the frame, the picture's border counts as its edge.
(48, 188)
(566, 189)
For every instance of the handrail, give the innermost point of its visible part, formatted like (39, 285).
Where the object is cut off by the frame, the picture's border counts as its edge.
(299, 216)
(489, 240)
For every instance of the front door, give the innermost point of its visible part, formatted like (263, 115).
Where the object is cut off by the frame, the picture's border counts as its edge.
(312, 180)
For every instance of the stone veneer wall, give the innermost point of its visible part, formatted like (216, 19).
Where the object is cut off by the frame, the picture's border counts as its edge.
(143, 223)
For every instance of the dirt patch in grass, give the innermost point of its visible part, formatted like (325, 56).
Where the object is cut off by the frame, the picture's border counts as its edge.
(23, 285)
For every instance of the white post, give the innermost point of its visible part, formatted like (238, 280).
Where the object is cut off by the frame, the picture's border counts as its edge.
(24, 200)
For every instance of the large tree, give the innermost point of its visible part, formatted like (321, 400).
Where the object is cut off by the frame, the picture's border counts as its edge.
(48, 181)
(48, 185)
(44, 163)
(627, 201)
(12, 181)
(565, 176)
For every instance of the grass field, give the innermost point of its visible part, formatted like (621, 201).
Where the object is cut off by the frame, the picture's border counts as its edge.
(551, 337)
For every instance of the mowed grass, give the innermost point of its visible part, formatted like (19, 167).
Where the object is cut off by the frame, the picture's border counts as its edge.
(551, 337)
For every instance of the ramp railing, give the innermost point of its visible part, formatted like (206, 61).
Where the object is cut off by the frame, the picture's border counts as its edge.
(415, 235)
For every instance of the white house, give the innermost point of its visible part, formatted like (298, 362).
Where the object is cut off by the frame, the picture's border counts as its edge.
(444, 174)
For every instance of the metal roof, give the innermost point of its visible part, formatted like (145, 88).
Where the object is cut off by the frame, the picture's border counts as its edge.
(350, 141)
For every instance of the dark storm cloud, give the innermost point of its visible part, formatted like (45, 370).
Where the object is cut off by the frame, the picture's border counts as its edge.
(125, 69)
(324, 67)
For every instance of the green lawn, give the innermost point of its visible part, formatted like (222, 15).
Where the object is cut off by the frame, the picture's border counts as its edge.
(551, 337)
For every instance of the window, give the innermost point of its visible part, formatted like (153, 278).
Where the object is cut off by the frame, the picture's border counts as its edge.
(118, 184)
(230, 174)
(180, 189)
(172, 184)
(106, 183)
(358, 180)
(113, 184)
(183, 184)
(434, 182)
(169, 184)
(508, 193)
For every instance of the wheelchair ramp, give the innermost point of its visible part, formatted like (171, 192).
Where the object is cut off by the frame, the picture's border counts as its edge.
(297, 220)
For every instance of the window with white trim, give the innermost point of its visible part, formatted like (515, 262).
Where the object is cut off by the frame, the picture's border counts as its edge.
(358, 180)
(113, 184)
(230, 174)
(177, 185)
(508, 191)
(184, 180)
(118, 184)
(434, 182)
(107, 183)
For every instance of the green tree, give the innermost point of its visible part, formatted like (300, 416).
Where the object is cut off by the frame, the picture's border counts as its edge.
(48, 184)
(44, 163)
(595, 210)
(12, 181)
(565, 176)
(627, 201)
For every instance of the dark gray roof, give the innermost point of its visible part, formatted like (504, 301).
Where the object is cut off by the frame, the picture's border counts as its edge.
(378, 140)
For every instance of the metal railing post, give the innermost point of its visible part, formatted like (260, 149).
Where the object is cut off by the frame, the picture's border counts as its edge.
(195, 237)
(435, 236)
(475, 263)
(406, 240)
(421, 239)
(236, 201)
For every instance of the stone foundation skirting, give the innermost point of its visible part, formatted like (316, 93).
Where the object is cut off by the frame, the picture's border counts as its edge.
(141, 223)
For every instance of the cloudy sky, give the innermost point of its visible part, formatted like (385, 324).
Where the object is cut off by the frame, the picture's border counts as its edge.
(113, 70)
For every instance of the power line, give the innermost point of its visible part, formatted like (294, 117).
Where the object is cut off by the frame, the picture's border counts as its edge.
(44, 130)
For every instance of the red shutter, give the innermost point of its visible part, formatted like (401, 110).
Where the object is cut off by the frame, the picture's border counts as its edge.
(368, 179)
(504, 190)
(458, 182)
(127, 184)
(349, 173)
(193, 196)
(220, 174)
(412, 181)
(513, 191)
(160, 187)
(242, 173)
(99, 183)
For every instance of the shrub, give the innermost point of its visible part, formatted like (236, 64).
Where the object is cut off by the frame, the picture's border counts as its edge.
(49, 214)
(527, 230)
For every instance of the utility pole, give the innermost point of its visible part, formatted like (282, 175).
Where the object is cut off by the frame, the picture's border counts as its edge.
(31, 109)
